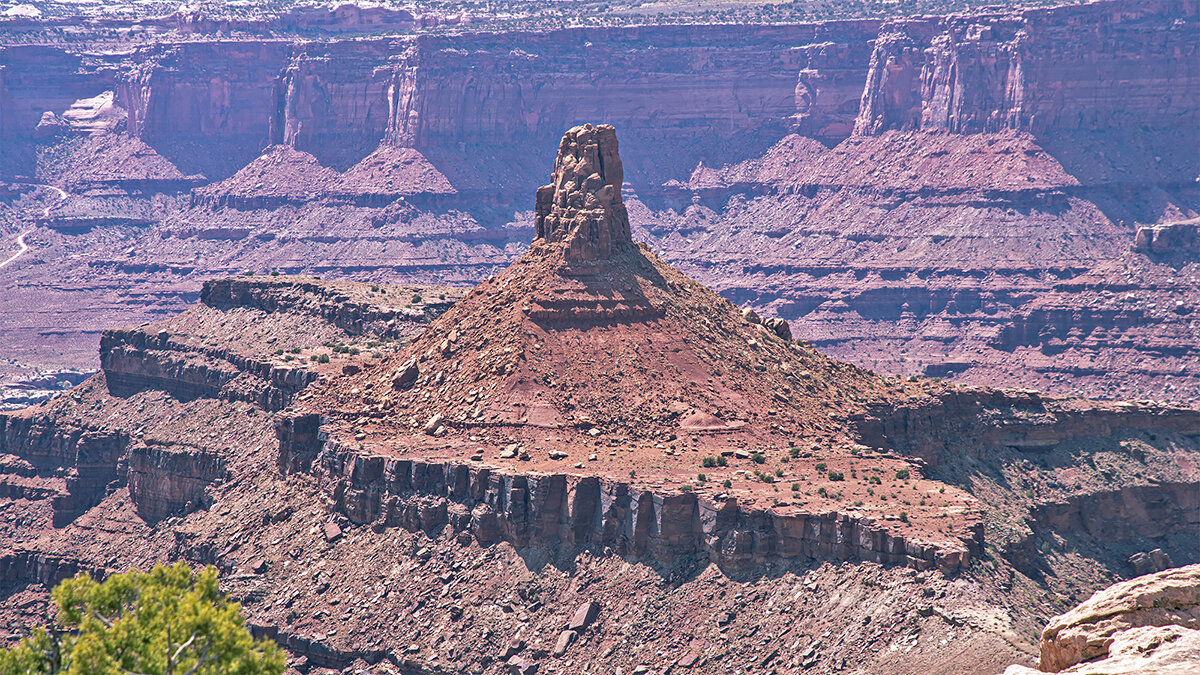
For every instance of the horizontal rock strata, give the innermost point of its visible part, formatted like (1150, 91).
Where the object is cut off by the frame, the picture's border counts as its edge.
(590, 512)
(1023, 420)
(133, 359)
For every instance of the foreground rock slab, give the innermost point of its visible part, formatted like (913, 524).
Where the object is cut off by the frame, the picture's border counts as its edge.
(1150, 624)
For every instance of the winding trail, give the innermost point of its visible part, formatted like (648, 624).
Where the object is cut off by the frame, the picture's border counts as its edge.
(23, 247)
(22, 244)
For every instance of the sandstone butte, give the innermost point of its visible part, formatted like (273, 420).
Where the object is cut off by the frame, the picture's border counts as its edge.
(518, 487)
(590, 352)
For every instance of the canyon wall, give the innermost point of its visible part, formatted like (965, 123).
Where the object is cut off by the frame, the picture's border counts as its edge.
(673, 84)
(1095, 67)
(85, 455)
(206, 105)
(714, 93)
(1022, 420)
(133, 359)
(1000, 159)
(35, 79)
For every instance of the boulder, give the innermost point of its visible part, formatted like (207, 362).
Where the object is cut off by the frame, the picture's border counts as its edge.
(406, 375)
(565, 639)
(519, 665)
(779, 327)
(584, 616)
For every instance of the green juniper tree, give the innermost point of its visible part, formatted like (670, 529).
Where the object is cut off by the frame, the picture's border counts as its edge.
(169, 621)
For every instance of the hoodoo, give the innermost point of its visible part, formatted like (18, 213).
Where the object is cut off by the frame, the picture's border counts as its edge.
(582, 204)
(591, 395)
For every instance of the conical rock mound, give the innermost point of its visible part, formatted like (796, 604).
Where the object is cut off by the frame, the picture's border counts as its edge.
(589, 334)
(590, 361)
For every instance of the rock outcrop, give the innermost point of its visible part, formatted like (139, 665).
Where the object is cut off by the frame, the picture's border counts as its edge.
(86, 457)
(165, 481)
(1150, 624)
(133, 359)
(238, 345)
(582, 205)
(1182, 238)
(1170, 598)
(562, 511)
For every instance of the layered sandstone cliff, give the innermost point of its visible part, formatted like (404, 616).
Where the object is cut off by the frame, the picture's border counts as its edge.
(1036, 70)
(250, 342)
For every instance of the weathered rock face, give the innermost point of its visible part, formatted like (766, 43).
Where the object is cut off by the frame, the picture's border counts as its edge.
(1127, 613)
(38, 79)
(86, 456)
(1180, 238)
(1169, 509)
(555, 511)
(311, 298)
(165, 481)
(1035, 71)
(582, 205)
(52, 455)
(133, 359)
(208, 106)
(332, 99)
(1023, 420)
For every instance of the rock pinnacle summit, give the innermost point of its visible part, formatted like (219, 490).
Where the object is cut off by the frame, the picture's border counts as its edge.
(582, 205)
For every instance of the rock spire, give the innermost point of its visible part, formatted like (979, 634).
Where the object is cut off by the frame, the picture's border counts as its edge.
(582, 205)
